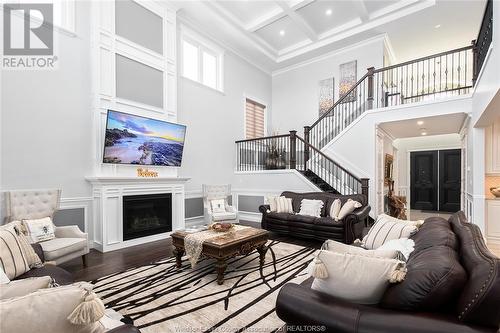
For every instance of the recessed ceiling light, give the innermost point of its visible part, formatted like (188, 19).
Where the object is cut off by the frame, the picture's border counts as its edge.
(423, 131)
(437, 26)
(282, 32)
(328, 12)
(420, 122)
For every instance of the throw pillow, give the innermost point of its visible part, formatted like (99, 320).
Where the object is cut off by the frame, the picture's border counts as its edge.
(23, 287)
(3, 277)
(40, 229)
(417, 223)
(403, 246)
(334, 246)
(349, 207)
(29, 253)
(311, 207)
(62, 300)
(384, 230)
(218, 205)
(271, 200)
(284, 205)
(356, 278)
(11, 255)
(335, 209)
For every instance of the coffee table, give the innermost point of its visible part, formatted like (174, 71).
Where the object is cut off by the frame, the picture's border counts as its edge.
(227, 245)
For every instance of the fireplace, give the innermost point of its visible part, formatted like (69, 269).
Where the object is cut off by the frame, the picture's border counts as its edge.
(146, 215)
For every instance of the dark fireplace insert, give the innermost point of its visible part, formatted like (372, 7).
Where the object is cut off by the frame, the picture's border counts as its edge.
(146, 215)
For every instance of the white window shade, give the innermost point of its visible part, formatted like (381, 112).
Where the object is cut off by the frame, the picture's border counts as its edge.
(209, 70)
(190, 61)
(254, 119)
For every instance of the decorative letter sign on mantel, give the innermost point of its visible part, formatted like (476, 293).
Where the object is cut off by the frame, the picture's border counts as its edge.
(146, 173)
(107, 196)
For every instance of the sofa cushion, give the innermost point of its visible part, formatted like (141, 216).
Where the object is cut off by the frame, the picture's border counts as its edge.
(436, 231)
(224, 216)
(328, 221)
(434, 280)
(60, 276)
(288, 217)
(58, 247)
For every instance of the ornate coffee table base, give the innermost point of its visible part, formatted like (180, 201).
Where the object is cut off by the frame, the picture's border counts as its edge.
(222, 251)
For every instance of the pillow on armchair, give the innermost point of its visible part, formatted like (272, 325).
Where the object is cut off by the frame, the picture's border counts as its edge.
(218, 205)
(39, 230)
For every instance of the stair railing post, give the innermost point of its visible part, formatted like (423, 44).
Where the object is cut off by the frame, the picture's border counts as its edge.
(307, 129)
(474, 62)
(370, 95)
(364, 186)
(293, 149)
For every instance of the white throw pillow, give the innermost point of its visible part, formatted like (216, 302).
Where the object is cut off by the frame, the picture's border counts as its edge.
(404, 246)
(218, 205)
(284, 205)
(334, 246)
(271, 200)
(335, 208)
(349, 207)
(23, 287)
(40, 229)
(385, 230)
(3, 277)
(311, 207)
(355, 278)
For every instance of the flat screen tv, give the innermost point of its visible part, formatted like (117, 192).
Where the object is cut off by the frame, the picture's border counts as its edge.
(143, 141)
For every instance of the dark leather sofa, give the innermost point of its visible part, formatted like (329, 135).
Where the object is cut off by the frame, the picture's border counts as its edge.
(472, 306)
(63, 277)
(322, 228)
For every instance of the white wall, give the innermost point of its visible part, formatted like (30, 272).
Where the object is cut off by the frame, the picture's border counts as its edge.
(215, 121)
(46, 119)
(295, 90)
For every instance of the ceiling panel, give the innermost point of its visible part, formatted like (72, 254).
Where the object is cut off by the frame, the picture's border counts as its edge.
(326, 15)
(292, 33)
(376, 5)
(249, 11)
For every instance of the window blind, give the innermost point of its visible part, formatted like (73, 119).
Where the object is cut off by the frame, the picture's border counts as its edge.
(254, 119)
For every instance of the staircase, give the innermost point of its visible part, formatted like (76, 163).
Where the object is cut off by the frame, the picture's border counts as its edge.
(441, 75)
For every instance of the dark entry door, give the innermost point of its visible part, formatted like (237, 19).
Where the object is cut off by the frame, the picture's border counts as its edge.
(424, 180)
(449, 180)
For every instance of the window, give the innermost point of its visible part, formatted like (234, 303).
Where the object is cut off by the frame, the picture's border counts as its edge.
(201, 61)
(254, 119)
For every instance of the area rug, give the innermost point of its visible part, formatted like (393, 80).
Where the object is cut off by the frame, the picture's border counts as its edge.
(161, 298)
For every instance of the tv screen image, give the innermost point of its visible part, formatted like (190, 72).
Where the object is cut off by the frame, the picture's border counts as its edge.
(138, 140)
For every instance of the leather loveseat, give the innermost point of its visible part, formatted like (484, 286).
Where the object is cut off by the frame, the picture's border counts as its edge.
(322, 228)
(466, 299)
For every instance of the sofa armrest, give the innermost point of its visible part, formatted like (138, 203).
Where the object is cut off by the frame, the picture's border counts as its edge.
(124, 329)
(231, 209)
(352, 224)
(38, 250)
(264, 208)
(70, 231)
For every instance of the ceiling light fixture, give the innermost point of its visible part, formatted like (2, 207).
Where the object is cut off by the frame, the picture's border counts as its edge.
(423, 131)
(437, 26)
(282, 32)
(420, 122)
(328, 12)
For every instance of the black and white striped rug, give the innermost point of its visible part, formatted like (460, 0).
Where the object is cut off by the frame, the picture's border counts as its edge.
(160, 298)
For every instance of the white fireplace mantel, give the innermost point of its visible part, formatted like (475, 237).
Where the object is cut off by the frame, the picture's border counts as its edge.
(107, 196)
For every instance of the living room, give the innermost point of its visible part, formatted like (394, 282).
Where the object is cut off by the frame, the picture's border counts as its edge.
(197, 162)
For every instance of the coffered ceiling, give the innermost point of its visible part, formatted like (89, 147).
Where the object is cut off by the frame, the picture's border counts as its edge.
(283, 32)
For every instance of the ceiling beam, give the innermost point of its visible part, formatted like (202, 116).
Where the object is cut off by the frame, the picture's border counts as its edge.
(360, 7)
(299, 21)
(266, 19)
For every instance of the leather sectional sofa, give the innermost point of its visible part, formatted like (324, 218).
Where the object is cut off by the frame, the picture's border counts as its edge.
(63, 277)
(322, 228)
(466, 299)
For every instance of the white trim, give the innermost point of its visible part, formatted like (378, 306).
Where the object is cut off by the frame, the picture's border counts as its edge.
(390, 49)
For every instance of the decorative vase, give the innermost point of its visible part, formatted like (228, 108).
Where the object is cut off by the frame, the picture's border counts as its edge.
(495, 191)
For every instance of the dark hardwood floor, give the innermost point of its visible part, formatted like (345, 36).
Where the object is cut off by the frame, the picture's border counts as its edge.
(102, 264)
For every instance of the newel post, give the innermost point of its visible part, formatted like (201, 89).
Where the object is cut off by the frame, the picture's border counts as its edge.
(364, 187)
(474, 62)
(307, 129)
(293, 149)
(371, 87)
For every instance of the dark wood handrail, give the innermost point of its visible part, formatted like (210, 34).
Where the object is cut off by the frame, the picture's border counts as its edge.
(327, 158)
(264, 138)
(409, 62)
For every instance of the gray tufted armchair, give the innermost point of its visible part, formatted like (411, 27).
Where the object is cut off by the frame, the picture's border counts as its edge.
(70, 241)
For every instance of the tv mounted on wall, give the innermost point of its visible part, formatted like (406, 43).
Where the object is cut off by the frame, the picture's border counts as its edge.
(138, 140)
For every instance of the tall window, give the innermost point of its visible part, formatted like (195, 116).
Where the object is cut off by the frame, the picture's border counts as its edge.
(254, 119)
(201, 61)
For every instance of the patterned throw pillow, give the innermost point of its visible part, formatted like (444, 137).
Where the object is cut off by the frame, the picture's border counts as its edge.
(31, 257)
(12, 257)
(311, 207)
(40, 229)
(385, 230)
(218, 206)
(284, 205)
(335, 208)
